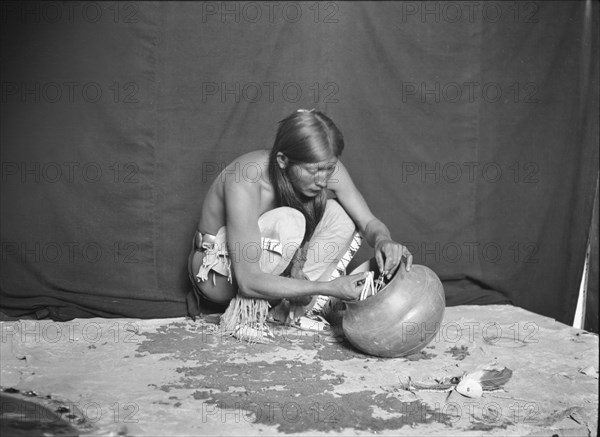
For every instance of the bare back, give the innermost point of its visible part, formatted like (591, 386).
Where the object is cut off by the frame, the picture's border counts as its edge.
(251, 171)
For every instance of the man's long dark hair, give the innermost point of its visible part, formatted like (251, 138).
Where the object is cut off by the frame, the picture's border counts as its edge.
(303, 137)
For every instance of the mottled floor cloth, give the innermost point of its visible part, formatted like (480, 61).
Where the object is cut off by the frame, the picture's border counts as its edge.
(179, 377)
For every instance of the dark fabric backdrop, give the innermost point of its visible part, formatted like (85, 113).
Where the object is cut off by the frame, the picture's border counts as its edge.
(471, 130)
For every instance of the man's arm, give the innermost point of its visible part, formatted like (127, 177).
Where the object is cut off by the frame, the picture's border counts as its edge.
(242, 200)
(388, 253)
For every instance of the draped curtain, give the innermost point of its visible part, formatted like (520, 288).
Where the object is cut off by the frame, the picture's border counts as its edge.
(471, 129)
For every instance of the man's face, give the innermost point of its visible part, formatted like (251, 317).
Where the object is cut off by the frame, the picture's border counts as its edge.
(310, 179)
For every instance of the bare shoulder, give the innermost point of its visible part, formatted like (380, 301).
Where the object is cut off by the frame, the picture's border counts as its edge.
(256, 158)
(248, 173)
(350, 197)
(239, 187)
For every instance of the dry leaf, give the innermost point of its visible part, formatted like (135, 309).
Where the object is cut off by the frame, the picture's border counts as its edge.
(490, 378)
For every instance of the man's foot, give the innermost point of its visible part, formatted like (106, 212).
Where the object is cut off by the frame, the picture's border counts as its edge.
(312, 323)
(279, 313)
(310, 320)
(333, 311)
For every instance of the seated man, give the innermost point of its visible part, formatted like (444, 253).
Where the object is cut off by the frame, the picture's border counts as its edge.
(275, 224)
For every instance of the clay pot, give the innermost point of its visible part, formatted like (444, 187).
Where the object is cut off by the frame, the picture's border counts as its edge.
(402, 318)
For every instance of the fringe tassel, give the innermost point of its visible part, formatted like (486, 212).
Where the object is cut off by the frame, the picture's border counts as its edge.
(340, 270)
(246, 319)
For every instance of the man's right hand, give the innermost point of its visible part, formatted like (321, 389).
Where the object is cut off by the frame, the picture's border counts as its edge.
(349, 287)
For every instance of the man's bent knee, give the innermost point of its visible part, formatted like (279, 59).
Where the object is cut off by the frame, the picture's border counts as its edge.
(282, 232)
(284, 224)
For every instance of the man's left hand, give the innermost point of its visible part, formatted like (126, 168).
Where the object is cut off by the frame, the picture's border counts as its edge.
(389, 254)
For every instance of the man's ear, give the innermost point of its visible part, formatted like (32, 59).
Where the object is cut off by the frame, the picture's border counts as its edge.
(282, 160)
